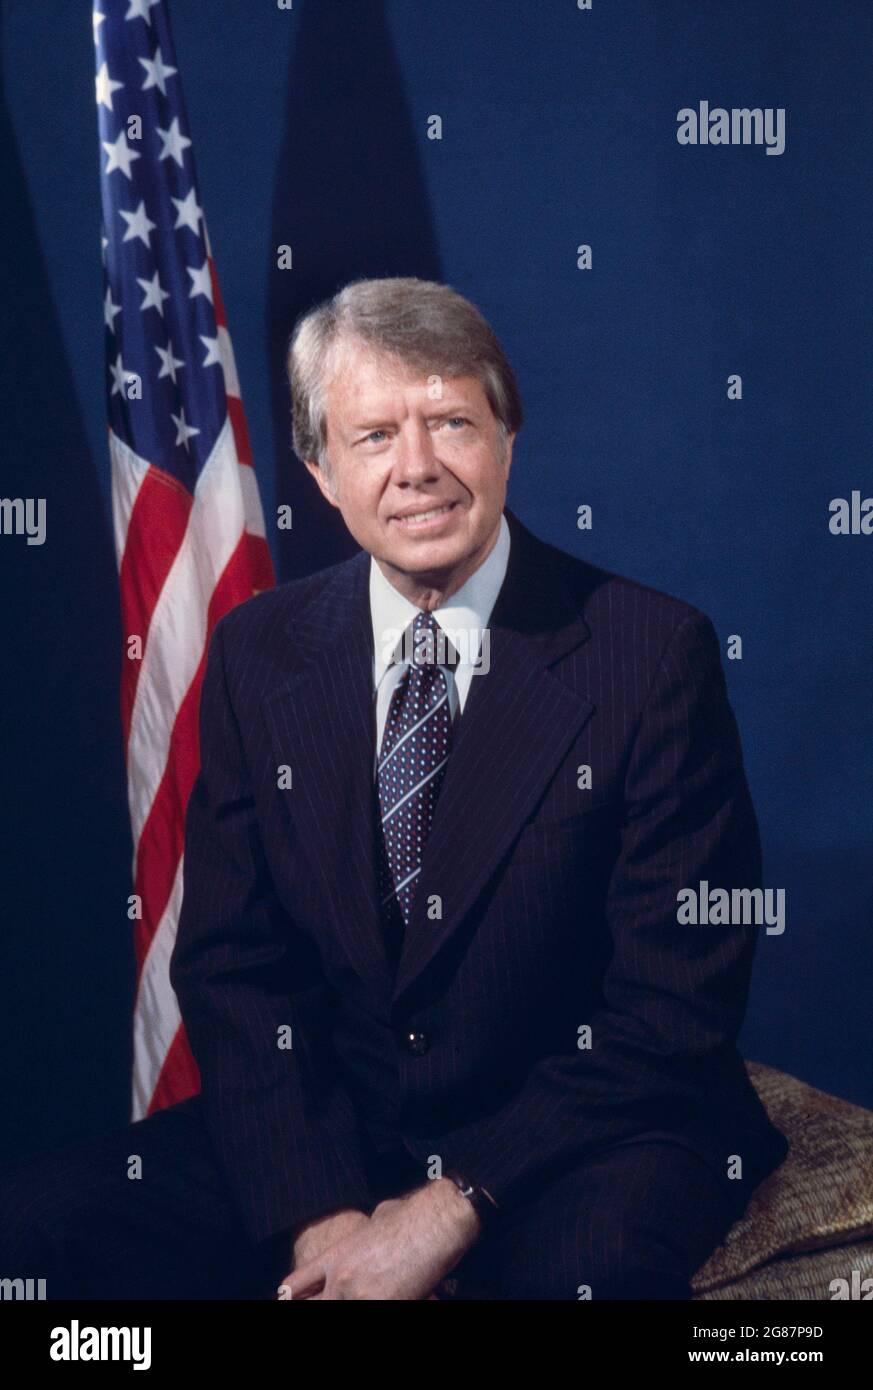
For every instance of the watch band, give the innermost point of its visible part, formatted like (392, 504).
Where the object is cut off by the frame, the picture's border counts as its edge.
(481, 1200)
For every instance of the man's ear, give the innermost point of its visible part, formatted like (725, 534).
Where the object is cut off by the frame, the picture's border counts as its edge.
(325, 488)
(507, 457)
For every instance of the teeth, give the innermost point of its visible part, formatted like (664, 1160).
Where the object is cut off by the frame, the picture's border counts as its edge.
(425, 516)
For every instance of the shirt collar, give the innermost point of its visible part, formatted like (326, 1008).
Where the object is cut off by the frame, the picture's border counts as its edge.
(467, 611)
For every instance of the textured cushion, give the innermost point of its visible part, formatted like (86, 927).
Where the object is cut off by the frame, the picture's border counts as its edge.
(802, 1276)
(821, 1196)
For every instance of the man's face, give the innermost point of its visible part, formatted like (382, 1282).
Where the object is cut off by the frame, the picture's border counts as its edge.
(395, 450)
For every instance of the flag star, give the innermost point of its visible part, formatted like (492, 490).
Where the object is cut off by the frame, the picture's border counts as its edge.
(201, 282)
(119, 376)
(157, 72)
(96, 19)
(139, 9)
(121, 156)
(109, 311)
(105, 87)
(189, 213)
(169, 363)
(174, 142)
(154, 295)
(184, 431)
(138, 224)
(213, 354)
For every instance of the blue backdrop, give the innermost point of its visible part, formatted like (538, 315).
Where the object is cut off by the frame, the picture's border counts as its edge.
(310, 129)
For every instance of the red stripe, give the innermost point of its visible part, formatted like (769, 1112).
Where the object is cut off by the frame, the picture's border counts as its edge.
(157, 525)
(180, 1075)
(217, 301)
(240, 431)
(261, 563)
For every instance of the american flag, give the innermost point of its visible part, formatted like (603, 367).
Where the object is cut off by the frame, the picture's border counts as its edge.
(189, 528)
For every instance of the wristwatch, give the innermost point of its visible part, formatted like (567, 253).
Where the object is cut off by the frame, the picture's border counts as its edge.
(481, 1200)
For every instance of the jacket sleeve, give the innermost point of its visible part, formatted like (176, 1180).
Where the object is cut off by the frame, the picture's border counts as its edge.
(673, 996)
(283, 1129)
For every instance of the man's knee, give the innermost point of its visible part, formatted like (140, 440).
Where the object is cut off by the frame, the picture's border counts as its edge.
(646, 1252)
(639, 1268)
(634, 1224)
(52, 1203)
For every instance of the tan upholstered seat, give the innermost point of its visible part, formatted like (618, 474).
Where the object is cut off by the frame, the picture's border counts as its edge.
(811, 1221)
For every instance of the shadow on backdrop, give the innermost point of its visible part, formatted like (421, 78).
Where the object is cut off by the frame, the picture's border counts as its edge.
(350, 200)
(809, 1012)
(65, 1039)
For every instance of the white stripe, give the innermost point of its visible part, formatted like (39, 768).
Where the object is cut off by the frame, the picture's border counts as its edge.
(400, 887)
(251, 497)
(177, 632)
(254, 513)
(406, 795)
(128, 471)
(402, 740)
(228, 362)
(156, 1014)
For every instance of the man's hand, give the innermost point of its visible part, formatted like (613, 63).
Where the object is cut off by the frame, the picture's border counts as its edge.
(314, 1237)
(401, 1252)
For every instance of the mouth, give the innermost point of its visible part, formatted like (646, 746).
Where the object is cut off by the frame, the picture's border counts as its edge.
(427, 520)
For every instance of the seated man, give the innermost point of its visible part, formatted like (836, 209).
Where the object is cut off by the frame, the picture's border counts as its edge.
(455, 1037)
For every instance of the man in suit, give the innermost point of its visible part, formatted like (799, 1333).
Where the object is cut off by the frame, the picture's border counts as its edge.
(453, 1038)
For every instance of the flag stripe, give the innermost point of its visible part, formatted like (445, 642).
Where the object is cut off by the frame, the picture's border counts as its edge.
(179, 1075)
(162, 510)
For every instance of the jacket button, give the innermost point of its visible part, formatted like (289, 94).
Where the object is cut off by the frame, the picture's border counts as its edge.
(416, 1043)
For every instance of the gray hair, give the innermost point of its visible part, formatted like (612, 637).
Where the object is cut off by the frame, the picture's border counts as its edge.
(420, 323)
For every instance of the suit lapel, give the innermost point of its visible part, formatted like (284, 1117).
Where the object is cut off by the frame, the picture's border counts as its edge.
(321, 724)
(519, 720)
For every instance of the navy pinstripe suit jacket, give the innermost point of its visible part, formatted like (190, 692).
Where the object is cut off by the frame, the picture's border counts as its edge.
(558, 904)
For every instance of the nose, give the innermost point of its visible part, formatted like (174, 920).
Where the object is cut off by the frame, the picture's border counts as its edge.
(415, 459)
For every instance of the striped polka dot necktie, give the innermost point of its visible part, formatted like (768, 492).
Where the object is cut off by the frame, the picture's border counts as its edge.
(410, 771)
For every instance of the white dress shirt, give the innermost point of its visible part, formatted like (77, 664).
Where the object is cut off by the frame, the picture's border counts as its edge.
(466, 613)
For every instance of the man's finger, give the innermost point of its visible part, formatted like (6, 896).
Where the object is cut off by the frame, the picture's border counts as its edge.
(303, 1282)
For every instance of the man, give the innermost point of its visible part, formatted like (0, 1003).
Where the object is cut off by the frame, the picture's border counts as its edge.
(454, 1040)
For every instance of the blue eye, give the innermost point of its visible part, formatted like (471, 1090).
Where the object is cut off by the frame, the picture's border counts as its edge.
(461, 419)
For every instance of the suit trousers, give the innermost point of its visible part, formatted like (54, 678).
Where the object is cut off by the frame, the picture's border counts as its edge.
(633, 1222)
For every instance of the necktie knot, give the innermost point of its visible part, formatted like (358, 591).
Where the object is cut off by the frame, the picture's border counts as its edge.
(430, 643)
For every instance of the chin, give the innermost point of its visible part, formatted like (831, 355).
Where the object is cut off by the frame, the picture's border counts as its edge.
(419, 559)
